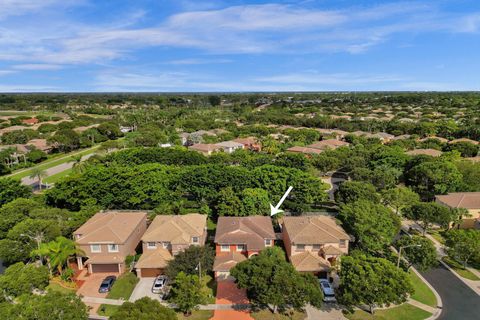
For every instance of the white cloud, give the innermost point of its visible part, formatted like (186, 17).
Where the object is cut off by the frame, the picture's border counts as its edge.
(6, 72)
(27, 88)
(37, 66)
(198, 61)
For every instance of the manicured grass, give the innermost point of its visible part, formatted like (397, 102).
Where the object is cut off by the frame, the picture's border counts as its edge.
(55, 161)
(404, 312)
(458, 268)
(196, 315)
(437, 235)
(123, 287)
(268, 315)
(422, 293)
(54, 286)
(107, 310)
(56, 177)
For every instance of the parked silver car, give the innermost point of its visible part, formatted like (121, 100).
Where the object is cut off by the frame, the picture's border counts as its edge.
(328, 292)
(159, 284)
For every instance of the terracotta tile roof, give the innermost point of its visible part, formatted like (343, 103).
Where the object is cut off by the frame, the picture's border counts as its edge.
(329, 143)
(427, 152)
(464, 140)
(251, 231)
(205, 147)
(331, 250)
(227, 261)
(229, 144)
(177, 229)
(246, 141)
(313, 230)
(105, 259)
(40, 144)
(467, 200)
(434, 137)
(30, 121)
(305, 150)
(157, 258)
(309, 262)
(109, 226)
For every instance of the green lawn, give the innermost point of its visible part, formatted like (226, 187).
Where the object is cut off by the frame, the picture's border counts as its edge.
(437, 235)
(458, 268)
(404, 312)
(54, 286)
(123, 287)
(196, 315)
(56, 177)
(268, 315)
(54, 161)
(107, 310)
(422, 293)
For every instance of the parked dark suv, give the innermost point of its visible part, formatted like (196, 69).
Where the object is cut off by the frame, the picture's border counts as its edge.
(107, 284)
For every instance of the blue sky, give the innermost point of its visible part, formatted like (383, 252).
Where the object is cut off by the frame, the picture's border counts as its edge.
(162, 45)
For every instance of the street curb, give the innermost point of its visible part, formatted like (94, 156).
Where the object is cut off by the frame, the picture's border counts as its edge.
(437, 296)
(458, 276)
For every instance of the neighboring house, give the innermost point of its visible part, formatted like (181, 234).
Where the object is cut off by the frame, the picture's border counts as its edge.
(108, 238)
(229, 146)
(464, 140)
(125, 129)
(239, 238)
(304, 150)
(197, 136)
(30, 121)
(440, 139)
(328, 144)
(426, 152)
(249, 143)
(383, 136)
(314, 243)
(40, 144)
(166, 236)
(206, 149)
(466, 200)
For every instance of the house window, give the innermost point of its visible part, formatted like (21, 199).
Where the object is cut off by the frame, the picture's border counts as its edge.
(225, 248)
(300, 247)
(316, 247)
(113, 248)
(95, 248)
(166, 245)
(241, 247)
(151, 245)
(343, 243)
(268, 242)
(195, 239)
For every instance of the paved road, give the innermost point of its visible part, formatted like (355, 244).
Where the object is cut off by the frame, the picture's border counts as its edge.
(53, 170)
(459, 301)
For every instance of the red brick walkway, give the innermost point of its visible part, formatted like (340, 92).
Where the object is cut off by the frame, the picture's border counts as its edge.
(228, 293)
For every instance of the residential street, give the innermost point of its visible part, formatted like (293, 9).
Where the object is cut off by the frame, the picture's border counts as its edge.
(459, 301)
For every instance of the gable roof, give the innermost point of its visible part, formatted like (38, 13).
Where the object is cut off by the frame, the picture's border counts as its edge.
(177, 229)
(305, 150)
(227, 261)
(229, 144)
(157, 258)
(329, 143)
(467, 200)
(246, 141)
(426, 152)
(464, 140)
(251, 231)
(109, 226)
(204, 147)
(309, 262)
(313, 230)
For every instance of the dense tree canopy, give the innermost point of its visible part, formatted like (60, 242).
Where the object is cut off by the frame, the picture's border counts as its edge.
(187, 261)
(418, 251)
(143, 309)
(11, 189)
(463, 245)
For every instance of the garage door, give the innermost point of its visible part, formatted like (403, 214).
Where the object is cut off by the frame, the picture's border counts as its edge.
(150, 272)
(96, 268)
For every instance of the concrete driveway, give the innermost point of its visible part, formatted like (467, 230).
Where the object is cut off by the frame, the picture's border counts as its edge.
(144, 289)
(91, 284)
(328, 311)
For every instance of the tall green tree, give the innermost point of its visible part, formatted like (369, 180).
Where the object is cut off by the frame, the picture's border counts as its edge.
(351, 191)
(400, 198)
(418, 251)
(38, 174)
(187, 293)
(143, 309)
(428, 213)
(273, 282)
(373, 225)
(192, 260)
(228, 203)
(21, 279)
(57, 252)
(372, 282)
(463, 245)
(255, 201)
(11, 189)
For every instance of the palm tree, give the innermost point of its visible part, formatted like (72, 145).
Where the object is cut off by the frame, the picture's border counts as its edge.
(58, 252)
(78, 166)
(39, 174)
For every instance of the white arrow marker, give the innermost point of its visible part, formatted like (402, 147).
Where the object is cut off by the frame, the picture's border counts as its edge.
(275, 210)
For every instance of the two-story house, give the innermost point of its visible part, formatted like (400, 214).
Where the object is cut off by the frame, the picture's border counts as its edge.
(239, 238)
(166, 236)
(314, 243)
(108, 238)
